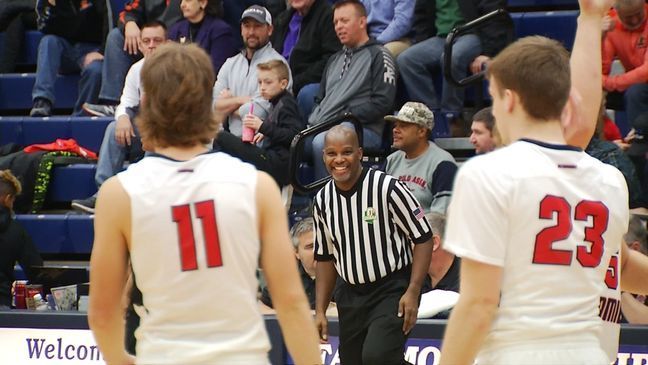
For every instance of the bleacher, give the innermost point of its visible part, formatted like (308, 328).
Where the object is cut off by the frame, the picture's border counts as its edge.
(60, 234)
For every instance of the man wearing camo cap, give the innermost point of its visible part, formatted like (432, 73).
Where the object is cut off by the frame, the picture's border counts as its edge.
(426, 169)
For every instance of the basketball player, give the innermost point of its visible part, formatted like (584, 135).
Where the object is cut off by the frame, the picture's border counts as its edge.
(545, 217)
(195, 225)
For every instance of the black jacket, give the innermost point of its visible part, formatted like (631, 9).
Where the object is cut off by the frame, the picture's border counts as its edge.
(15, 245)
(280, 127)
(75, 20)
(494, 36)
(144, 11)
(316, 43)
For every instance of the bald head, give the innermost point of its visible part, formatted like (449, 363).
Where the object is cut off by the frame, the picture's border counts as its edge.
(342, 133)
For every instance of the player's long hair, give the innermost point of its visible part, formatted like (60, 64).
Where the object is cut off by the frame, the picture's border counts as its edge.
(537, 69)
(176, 106)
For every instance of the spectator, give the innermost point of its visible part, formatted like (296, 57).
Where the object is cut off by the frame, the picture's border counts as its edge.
(626, 41)
(122, 48)
(304, 35)
(359, 79)
(269, 150)
(236, 86)
(635, 307)
(145, 214)
(75, 45)
(15, 243)
(302, 238)
(611, 154)
(444, 266)
(203, 24)
(121, 135)
(16, 17)
(419, 64)
(482, 134)
(427, 170)
(390, 23)
(369, 212)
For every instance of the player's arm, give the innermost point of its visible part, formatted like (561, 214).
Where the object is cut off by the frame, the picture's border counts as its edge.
(324, 284)
(278, 263)
(586, 78)
(634, 311)
(109, 272)
(475, 310)
(634, 271)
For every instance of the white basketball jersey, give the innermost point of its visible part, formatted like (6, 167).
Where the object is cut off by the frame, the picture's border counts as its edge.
(610, 308)
(194, 251)
(551, 216)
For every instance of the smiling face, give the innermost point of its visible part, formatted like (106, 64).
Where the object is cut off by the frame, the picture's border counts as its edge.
(350, 26)
(343, 157)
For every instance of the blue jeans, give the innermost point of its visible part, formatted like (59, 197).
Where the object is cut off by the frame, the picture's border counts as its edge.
(636, 102)
(418, 63)
(116, 65)
(306, 100)
(112, 154)
(370, 139)
(57, 54)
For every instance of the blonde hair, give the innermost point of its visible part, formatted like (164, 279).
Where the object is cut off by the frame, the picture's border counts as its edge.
(277, 66)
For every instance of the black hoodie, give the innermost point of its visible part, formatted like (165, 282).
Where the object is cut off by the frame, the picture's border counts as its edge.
(15, 245)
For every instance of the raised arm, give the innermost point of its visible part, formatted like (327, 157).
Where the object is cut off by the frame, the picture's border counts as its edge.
(280, 269)
(586, 63)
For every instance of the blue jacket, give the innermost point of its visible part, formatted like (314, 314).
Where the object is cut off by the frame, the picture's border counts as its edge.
(389, 21)
(214, 36)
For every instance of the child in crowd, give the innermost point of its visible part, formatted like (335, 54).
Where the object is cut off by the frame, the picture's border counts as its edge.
(269, 148)
(15, 243)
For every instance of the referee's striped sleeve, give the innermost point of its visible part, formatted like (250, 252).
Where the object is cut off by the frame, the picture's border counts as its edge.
(409, 214)
(323, 245)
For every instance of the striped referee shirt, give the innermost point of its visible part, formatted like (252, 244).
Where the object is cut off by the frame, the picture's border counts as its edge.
(368, 230)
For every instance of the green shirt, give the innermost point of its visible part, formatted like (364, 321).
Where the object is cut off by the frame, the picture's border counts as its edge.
(448, 16)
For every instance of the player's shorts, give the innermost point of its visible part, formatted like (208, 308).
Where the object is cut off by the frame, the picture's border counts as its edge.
(545, 355)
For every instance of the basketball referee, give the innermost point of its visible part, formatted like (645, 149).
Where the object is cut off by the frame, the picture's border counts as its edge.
(365, 223)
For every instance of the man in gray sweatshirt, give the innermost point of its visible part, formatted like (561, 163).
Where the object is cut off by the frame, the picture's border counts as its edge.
(359, 79)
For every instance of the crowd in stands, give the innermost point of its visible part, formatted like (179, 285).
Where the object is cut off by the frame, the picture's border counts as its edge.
(307, 63)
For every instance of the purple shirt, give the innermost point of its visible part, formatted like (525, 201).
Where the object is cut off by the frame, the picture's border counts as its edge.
(293, 34)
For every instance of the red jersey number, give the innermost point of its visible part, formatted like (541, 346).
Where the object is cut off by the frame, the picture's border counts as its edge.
(588, 255)
(186, 239)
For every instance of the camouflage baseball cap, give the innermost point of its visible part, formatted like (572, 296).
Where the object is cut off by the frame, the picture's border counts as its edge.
(415, 113)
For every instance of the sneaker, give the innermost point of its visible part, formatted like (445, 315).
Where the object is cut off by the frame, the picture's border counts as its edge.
(99, 110)
(41, 108)
(85, 205)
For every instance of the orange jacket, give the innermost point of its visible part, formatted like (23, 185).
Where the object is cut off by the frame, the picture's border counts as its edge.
(629, 46)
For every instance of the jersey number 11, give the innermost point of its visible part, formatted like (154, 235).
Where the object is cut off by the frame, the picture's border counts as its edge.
(207, 214)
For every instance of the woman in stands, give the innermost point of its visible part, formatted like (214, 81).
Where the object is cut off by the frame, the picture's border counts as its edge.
(203, 25)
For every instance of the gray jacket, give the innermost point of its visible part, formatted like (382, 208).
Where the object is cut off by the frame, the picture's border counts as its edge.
(366, 89)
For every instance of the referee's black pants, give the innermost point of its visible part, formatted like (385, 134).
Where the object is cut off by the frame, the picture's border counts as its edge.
(371, 333)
